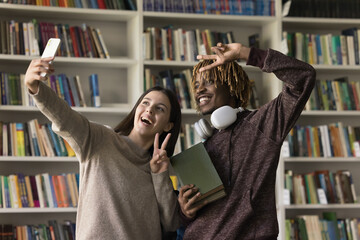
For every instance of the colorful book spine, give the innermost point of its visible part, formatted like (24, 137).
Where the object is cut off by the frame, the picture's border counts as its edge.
(94, 90)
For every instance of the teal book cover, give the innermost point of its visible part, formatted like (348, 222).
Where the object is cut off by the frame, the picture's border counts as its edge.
(194, 166)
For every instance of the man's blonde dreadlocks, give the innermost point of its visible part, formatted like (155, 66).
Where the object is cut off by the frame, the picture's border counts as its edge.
(230, 74)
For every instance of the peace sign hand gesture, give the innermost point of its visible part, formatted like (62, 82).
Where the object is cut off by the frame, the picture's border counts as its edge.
(160, 161)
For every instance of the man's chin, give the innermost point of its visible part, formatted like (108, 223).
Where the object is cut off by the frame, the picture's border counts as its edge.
(205, 110)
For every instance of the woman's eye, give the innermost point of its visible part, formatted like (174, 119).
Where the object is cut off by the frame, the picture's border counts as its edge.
(161, 109)
(145, 103)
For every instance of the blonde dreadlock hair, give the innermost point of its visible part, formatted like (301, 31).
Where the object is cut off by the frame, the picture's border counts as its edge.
(230, 74)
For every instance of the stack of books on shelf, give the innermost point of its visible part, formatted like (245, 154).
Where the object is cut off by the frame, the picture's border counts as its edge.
(30, 38)
(187, 138)
(338, 94)
(228, 7)
(325, 9)
(52, 230)
(94, 4)
(320, 187)
(179, 83)
(32, 139)
(332, 140)
(14, 92)
(172, 44)
(312, 227)
(39, 191)
(328, 49)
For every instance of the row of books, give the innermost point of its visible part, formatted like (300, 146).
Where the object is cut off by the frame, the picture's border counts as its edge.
(328, 49)
(320, 187)
(54, 230)
(329, 227)
(325, 8)
(229, 7)
(39, 191)
(179, 83)
(332, 140)
(337, 94)
(95, 4)
(13, 91)
(187, 138)
(32, 139)
(168, 43)
(30, 38)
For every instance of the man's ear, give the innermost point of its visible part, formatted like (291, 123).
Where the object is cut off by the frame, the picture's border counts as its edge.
(168, 127)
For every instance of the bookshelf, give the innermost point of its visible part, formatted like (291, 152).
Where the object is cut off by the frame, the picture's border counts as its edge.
(121, 83)
(319, 117)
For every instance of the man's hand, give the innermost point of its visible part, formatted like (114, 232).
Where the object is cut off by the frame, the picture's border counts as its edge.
(188, 195)
(160, 161)
(225, 53)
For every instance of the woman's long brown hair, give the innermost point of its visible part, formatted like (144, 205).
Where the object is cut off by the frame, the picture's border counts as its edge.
(127, 124)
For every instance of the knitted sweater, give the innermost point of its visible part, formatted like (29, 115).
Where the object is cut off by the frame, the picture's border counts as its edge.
(119, 197)
(246, 156)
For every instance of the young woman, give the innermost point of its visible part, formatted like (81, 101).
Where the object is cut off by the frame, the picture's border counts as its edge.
(125, 189)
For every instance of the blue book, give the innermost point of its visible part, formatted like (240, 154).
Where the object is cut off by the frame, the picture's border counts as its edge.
(130, 5)
(74, 91)
(67, 97)
(94, 90)
(54, 139)
(53, 191)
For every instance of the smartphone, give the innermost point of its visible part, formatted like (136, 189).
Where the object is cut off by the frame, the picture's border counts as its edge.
(50, 50)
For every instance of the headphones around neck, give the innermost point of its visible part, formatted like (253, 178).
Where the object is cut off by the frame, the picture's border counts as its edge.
(221, 118)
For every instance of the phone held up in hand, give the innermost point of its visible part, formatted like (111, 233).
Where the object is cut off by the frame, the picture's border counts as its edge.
(50, 50)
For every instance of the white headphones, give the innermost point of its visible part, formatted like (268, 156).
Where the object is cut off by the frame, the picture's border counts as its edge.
(221, 118)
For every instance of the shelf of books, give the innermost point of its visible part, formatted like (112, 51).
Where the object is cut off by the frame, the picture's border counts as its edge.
(39, 177)
(321, 159)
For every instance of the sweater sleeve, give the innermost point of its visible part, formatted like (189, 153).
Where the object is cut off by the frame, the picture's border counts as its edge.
(276, 118)
(66, 122)
(167, 201)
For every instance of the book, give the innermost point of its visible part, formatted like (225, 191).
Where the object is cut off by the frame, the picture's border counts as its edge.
(194, 166)
(94, 90)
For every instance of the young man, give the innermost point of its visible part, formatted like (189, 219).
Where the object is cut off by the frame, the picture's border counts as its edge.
(246, 153)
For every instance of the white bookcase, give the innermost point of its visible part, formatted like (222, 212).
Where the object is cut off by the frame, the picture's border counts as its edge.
(314, 118)
(121, 83)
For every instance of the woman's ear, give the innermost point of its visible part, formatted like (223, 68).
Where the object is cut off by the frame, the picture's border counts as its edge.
(168, 127)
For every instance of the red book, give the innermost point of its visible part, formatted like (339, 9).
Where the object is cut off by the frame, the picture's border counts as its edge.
(101, 4)
(74, 41)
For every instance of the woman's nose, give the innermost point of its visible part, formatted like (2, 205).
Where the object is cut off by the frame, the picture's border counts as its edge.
(149, 109)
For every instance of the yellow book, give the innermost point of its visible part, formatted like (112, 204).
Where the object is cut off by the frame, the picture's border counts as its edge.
(337, 96)
(29, 191)
(71, 190)
(75, 186)
(70, 151)
(316, 141)
(40, 138)
(209, 38)
(15, 191)
(20, 139)
(174, 181)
